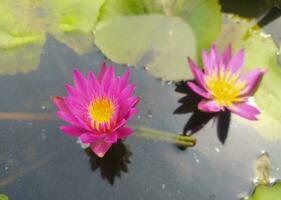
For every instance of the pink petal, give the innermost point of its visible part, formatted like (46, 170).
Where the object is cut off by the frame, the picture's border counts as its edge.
(76, 108)
(252, 80)
(74, 131)
(245, 110)
(197, 73)
(124, 132)
(64, 113)
(100, 147)
(88, 138)
(126, 105)
(208, 106)
(227, 54)
(79, 81)
(68, 118)
(131, 113)
(124, 79)
(93, 85)
(206, 62)
(120, 125)
(60, 104)
(102, 71)
(198, 90)
(236, 61)
(107, 78)
(126, 92)
(75, 94)
(214, 56)
(111, 138)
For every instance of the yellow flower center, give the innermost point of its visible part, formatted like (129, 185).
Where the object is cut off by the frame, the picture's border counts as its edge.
(101, 110)
(224, 88)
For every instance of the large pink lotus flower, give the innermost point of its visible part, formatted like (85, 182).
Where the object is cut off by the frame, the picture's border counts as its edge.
(222, 85)
(98, 109)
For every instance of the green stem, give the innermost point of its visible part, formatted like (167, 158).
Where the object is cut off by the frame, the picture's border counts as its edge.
(149, 133)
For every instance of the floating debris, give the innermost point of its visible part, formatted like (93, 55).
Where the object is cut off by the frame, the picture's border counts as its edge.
(266, 188)
(262, 168)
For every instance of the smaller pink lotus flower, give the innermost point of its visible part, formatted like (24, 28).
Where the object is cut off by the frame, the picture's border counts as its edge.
(98, 109)
(222, 85)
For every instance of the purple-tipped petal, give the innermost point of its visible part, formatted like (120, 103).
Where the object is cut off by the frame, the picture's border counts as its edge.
(100, 147)
(236, 62)
(74, 131)
(227, 54)
(198, 90)
(245, 110)
(124, 132)
(208, 106)
(197, 73)
(252, 80)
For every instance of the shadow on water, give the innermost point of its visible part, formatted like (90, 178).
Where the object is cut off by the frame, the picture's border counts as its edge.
(199, 119)
(114, 162)
(248, 8)
(266, 10)
(273, 14)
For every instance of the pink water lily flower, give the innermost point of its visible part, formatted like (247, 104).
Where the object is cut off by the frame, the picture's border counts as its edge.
(98, 108)
(222, 85)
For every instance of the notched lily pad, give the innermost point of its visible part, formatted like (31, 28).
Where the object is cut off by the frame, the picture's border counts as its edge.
(267, 192)
(260, 52)
(160, 43)
(197, 14)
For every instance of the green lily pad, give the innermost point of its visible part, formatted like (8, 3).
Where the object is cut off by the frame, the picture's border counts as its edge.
(15, 30)
(20, 43)
(3, 197)
(196, 13)
(260, 51)
(72, 21)
(161, 43)
(264, 192)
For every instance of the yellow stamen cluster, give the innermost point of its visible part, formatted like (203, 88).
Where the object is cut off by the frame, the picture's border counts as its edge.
(101, 110)
(224, 88)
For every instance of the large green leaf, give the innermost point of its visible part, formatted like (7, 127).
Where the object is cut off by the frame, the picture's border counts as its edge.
(263, 192)
(260, 51)
(198, 14)
(19, 25)
(72, 22)
(21, 37)
(161, 43)
(3, 197)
